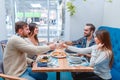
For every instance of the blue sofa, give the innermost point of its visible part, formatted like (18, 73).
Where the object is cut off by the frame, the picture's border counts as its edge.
(115, 40)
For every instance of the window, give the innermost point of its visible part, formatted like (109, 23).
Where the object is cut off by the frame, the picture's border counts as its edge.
(46, 13)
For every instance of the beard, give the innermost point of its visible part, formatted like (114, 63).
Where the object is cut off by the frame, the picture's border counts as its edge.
(25, 35)
(87, 35)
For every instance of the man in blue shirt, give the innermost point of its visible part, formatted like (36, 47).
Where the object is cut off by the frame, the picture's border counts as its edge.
(87, 40)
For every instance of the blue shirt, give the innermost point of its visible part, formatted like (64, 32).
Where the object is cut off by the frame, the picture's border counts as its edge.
(83, 41)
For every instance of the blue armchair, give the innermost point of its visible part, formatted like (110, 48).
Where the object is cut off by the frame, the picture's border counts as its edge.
(115, 40)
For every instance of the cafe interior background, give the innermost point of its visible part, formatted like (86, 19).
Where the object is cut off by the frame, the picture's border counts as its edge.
(54, 19)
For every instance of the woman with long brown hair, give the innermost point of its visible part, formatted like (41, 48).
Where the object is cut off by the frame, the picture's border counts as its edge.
(101, 57)
(33, 33)
(32, 39)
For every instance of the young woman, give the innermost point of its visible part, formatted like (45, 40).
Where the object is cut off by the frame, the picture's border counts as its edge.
(32, 39)
(33, 33)
(101, 57)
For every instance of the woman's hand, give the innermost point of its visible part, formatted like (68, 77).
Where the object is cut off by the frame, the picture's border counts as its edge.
(100, 45)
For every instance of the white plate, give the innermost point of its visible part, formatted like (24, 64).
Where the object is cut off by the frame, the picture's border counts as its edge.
(59, 56)
(74, 59)
(75, 62)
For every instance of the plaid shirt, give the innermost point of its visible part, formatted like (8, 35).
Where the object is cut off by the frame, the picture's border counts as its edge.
(82, 42)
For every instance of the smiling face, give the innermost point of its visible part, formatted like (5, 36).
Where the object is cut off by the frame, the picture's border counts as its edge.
(87, 31)
(22, 28)
(23, 32)
(103, 37)
(36, 30)
(26, 31)
(97, 41)
(33, 29)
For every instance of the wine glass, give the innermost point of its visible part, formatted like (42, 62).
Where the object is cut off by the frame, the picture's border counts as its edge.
(58, 41)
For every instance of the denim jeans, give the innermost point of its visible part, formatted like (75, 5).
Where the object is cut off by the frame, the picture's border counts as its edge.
(28, 74)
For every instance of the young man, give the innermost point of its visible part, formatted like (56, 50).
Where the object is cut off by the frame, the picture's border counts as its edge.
(15, 62)
(87, 40)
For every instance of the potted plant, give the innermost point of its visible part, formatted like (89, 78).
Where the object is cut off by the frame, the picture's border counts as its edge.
(71, 7)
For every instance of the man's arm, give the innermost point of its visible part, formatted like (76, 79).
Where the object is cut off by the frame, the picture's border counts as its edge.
(23, 46)
(79, 41)
(75, 42)
(69, 43)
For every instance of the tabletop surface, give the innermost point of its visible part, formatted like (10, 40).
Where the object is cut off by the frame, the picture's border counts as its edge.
(63, 66)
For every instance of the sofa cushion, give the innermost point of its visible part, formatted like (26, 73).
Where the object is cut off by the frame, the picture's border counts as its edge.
(115, 74)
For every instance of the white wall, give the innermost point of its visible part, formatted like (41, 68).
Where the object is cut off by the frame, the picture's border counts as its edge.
(90, 11)
(112, 13)
(3, 31)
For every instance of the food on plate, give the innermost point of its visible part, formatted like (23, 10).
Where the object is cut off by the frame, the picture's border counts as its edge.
(59, 54)
(44, 59)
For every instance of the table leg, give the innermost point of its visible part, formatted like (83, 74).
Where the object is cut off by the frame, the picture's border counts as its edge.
(57, 75)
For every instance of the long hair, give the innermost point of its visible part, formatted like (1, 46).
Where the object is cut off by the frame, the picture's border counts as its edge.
(32, 27)
(104, 38)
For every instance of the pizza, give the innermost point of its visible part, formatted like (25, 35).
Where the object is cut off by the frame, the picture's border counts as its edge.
(59, 54)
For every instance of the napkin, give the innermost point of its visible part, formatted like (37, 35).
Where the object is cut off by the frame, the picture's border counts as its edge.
(42, 64)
